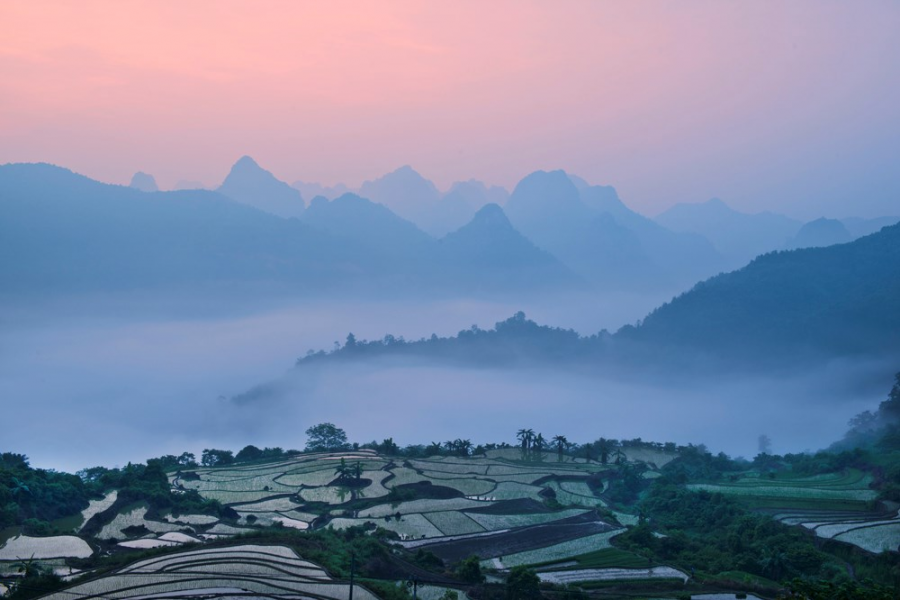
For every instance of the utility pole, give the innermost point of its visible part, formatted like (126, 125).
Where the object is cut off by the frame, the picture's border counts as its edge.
(352, 568)
(414, 584)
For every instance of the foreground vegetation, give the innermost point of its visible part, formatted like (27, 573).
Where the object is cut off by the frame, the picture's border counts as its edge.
(542, 516)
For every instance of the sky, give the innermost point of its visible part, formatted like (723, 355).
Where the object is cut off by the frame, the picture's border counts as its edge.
(791, 107)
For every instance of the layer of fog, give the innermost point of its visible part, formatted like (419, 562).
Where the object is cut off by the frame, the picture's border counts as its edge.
(81, 387)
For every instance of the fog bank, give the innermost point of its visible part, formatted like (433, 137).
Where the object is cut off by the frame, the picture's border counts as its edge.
(81, 389)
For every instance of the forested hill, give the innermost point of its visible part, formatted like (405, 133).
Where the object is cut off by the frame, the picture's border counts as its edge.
(820, 302)
(513, 340)
(838, 300)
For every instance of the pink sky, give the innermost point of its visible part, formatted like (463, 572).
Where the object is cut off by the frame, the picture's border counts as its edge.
(789, 106)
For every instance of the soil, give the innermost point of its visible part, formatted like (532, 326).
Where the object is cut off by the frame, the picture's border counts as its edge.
(520, 540)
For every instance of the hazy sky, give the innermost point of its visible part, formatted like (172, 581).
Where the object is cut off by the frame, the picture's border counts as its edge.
(769, 105)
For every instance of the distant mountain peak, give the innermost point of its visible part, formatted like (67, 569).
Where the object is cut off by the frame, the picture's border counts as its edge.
(408, 175)
(318, 202)
(820, 233)
(249, 183)
(144, 182)
(491, 215)
(246, 163)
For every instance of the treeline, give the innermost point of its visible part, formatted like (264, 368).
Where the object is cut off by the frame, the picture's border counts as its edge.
(515, 339)
(32, 497)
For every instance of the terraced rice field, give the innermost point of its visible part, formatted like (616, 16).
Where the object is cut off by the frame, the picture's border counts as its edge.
(556, 552)
(493, 522)
(409, 527)
(95, 507)
(263, 571)
(833, 505)
(579, 575)
(874, 538)
(135, 517)
(493, 505)
(849, 489)
(512, 541)
(60, 546)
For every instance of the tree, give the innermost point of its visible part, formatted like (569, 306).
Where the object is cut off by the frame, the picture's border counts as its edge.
(605, 447)
(469, 570)
(326, 437)
(561, 444)
(525, 436)
(523, 584)
(343, 472)
(538, 443)
(250, 452)
(187, 459)
(212, 457)
(19, 487)
(464, 447)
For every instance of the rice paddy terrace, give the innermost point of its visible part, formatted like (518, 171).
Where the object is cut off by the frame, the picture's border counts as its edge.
(493, 506)
(234, 572)
(836, 506)
(508, 507)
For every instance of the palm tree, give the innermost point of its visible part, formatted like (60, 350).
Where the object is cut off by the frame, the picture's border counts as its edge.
(525, 436)
(539, 442)
(19, 487)
(773, 563)
(605, 447)
(343, 471)
(561, 444)
(464, 447)
(28, 568)
(619, 455)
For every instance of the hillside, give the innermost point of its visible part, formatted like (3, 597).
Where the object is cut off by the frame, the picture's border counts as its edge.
(60, 231)
(784, 306)
(630, 516)
(63, 231)
(837, 300)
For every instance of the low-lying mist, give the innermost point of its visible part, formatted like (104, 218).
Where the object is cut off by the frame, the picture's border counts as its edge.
(82, 387)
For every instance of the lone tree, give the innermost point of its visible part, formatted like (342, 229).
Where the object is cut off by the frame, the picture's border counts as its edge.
(326, 437)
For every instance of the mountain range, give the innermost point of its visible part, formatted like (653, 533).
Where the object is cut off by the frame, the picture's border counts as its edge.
(554, 231)
(63, 231)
